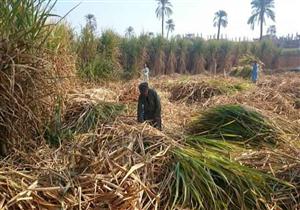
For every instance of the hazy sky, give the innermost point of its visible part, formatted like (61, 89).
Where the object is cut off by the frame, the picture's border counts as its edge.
(190, 16)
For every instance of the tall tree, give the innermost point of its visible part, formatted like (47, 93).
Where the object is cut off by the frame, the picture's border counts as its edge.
(91, 21)
(129, 32)
(260, 10)
(170, 26)
(164, 9)
(220, 20)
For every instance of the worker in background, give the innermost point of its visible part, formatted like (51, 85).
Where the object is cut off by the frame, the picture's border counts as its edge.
(145, 73)
(149, 107)
(255, 71)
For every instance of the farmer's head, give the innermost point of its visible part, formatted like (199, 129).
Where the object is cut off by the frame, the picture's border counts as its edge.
(146, 65)
(143, 87)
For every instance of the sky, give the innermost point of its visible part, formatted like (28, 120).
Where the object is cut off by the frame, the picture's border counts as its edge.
(190, 16)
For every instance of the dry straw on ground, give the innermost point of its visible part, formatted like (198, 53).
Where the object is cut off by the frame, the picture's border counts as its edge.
(117, 167)
(124, 165)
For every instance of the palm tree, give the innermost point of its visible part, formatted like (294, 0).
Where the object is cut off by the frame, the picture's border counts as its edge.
(220, 20)
(170, 26)
(129, 32)
(261, 9)
(164, 9)
(91, 21)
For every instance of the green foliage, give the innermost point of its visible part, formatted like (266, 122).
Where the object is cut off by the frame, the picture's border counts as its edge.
(171, 56)
(164, 9)
(226, 87)
(24, 22)
(54, 132)
(131, 50)
(242, 72)
(183, 46)
(61, 38)
(224, 52)
(109, 45)
(220, 20)
(99, 68)
(206, 178)
(157, 54)
(94, 114)
(163, 56)
(260, 10)
(65, 127)
(87, 46)
(236, 123)
(99, 57)
(266, 51)
(212, 48)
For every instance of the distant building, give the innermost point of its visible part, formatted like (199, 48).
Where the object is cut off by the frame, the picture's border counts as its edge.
(289, 41)
(190, 36)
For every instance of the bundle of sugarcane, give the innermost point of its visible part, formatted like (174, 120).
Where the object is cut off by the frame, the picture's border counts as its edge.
(283, 162)
(241, 71)
(235, 123)
(265, 99)
(207, 178)
(85, 115)
(96, 94)
(249, 59)
(193, 92)
(201, 91)
(244, 67)
(81, 115)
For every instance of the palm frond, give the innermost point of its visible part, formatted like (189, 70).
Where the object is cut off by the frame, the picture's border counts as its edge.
(271, 14)
(252, 20)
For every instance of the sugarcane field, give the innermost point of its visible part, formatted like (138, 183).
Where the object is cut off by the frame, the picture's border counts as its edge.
(149, 105)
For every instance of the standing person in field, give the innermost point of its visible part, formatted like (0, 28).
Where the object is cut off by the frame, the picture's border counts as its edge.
(255, 71)
(149, 107)
(145, 73)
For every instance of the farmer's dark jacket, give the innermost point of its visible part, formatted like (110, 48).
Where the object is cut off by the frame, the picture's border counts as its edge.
(152, 107)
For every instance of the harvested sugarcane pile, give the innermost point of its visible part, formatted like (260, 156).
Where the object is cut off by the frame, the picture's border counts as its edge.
(235, 123)
(81, 115)
(206, 178)
(283, 162)
(85, 115)
(130, 93)
(266, 99)
(191, 92)
(288, 85)
(244, 68)
(94, 155)
(267, 146)
(120, 167)
(116, 167)
(93, 94)
(297, 103)
(241, 71)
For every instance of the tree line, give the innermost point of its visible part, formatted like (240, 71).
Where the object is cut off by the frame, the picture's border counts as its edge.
(111, 55)
(261, 10)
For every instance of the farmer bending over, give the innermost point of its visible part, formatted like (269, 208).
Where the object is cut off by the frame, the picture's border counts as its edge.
(149, 108)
